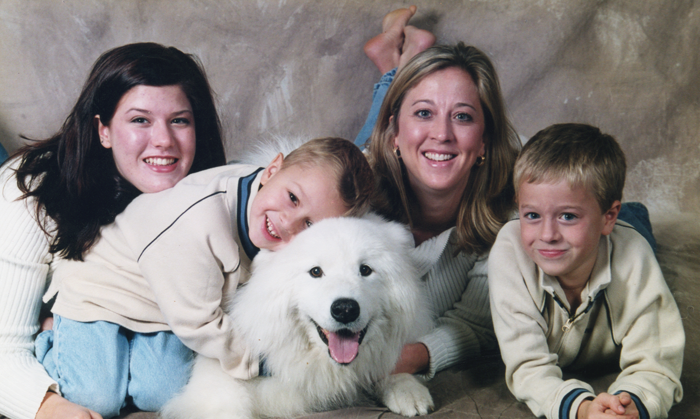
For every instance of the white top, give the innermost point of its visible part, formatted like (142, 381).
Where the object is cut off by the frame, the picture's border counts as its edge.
(24, 270)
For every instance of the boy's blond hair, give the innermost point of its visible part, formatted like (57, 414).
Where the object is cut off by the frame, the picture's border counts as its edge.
(578, 153)
(351, 169)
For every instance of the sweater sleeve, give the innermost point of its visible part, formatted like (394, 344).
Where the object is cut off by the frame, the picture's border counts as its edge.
(465, 331)
(532, 372)
(24, 265)
(650, 329)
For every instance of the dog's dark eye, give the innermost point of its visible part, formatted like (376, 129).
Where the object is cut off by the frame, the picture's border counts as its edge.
(316, 272)
(365, 270)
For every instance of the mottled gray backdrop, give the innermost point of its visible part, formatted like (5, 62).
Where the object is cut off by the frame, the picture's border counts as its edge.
(297, 67)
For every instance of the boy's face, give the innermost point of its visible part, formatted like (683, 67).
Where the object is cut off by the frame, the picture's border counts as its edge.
(290, 200)
(560, 228)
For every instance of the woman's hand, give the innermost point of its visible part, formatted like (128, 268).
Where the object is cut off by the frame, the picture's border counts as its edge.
(56, 407)
(415, 359)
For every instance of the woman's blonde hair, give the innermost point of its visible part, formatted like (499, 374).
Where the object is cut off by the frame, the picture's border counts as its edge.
(487, 200)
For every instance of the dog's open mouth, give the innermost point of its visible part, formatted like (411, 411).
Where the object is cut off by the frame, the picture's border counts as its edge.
(343, 345)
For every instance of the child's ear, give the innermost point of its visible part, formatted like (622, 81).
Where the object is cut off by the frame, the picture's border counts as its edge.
(272, 168)
(610, 217)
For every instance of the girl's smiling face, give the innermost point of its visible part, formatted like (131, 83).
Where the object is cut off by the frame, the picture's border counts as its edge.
(440, 132)
(290, 200)
(152, 136)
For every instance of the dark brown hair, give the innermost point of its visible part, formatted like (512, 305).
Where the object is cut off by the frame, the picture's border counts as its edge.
(74, 179)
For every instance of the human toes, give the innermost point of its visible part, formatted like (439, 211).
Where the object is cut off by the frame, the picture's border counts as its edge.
(395, 20)
(416, 41)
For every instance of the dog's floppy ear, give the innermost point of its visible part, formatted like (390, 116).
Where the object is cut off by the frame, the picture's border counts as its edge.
(409, 297)
(397, 233)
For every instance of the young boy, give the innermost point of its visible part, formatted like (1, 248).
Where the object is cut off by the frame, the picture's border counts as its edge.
(572, 288)
(168, 260)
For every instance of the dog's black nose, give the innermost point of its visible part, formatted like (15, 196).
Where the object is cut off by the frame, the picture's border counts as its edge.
(345, 310)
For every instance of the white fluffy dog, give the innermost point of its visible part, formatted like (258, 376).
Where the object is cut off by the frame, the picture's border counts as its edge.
(329, 315)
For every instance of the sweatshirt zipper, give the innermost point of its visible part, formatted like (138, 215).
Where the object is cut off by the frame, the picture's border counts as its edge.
(570, 320)
(568, 324)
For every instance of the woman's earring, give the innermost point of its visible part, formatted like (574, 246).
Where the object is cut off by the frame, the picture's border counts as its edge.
(480, 161)
(397, 152)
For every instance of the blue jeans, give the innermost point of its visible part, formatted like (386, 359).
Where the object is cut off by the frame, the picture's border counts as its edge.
(380, 90)
(103, 366)
(637, 215)
(634, 213)
(3, 154)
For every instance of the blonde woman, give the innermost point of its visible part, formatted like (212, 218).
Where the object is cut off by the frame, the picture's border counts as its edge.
(443, 152)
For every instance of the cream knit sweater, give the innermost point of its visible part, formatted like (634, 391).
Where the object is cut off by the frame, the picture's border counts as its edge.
(24, 268)
(458, 290)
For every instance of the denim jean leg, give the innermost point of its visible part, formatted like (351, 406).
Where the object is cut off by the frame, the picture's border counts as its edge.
(42, 347)
(89, 361)
(160, 367)
(3, 154)
(636, 214)
(378, 95)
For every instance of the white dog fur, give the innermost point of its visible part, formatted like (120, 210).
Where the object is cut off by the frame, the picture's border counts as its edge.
(280, 311)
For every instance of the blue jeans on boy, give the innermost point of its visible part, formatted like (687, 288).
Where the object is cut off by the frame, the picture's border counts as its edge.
(102, 366)
(3, 154)
(634, 213)
(637, 215)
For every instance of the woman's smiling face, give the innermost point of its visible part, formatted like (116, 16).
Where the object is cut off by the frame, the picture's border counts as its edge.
(152, 136)
(440, 132)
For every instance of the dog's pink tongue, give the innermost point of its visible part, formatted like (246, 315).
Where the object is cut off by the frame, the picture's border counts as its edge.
(344, 347)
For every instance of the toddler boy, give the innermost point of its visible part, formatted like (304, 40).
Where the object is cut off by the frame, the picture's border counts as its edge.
(572, 288)
(168, 260)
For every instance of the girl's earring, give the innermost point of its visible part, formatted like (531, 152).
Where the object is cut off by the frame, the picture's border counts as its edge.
(480, 161)
(397, 152)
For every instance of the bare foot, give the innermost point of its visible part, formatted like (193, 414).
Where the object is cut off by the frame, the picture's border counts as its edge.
(395, 20)
(385, 49)
(416, 40)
